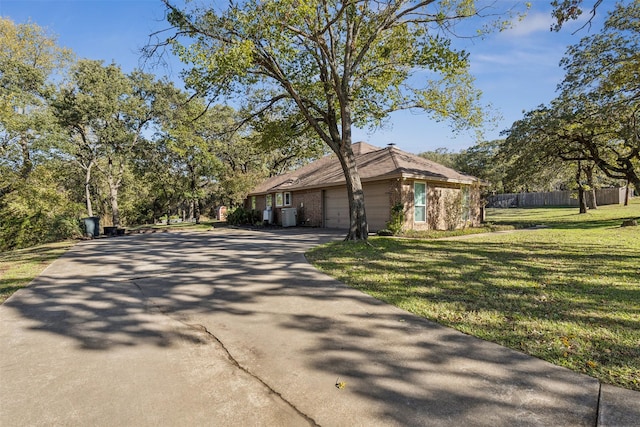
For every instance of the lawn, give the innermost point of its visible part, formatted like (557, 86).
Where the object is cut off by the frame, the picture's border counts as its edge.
(568, 293)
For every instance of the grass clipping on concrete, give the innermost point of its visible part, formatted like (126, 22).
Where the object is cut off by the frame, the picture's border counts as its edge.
(568, 294)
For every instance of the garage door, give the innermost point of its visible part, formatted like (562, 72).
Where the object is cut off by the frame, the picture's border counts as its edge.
(336, 207)
(376, 199)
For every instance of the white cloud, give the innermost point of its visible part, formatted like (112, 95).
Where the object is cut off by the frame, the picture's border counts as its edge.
(532, 23)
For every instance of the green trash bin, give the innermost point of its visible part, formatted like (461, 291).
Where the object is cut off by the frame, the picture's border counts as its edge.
(91, 226)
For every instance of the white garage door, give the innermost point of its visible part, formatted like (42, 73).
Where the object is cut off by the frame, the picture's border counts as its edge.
(376, 198)
(336, 208)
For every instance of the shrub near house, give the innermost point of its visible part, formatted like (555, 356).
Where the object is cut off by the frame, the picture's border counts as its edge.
(431, 196)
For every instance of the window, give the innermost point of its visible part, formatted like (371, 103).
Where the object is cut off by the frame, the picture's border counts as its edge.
(278, 200)
(287, 199)
(253, 203)
(269, 200)
(420, 201)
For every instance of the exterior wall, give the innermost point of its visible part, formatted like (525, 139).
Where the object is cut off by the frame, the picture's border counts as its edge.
(444, 206)
(309, 205)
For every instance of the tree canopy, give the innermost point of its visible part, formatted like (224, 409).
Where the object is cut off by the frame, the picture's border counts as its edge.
(332, 65)
(595, 117)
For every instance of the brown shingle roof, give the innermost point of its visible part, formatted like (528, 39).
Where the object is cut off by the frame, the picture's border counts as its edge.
(373, 164)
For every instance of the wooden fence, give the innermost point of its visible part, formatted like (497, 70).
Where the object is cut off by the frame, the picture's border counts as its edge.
(604, 196)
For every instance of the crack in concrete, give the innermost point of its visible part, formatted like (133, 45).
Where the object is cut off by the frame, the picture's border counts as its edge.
(597, 421)
(235, 363)
(232, 360)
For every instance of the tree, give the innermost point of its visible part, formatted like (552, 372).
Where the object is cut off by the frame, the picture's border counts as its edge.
(333, 64)
(442, 156)
(28, 58)
(105, 113)
(34, 206)
(484, 160)
(594, 121)
(602, 94)
(569, 10)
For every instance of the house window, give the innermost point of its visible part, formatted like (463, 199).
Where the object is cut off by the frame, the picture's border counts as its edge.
(253, 203)
(287, 199)
(269, 200)
(278, 200)
(420, 201)
(466, 204)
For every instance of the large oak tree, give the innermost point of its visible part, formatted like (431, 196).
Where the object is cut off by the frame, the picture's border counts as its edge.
(595, 119)
(332, 64)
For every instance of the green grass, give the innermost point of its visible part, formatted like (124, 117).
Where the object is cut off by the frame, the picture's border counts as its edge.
(568, 294)
(19, 267)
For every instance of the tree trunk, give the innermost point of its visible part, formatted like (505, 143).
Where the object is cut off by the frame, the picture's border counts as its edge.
(582, 200)
(626, 194)
(113, 198)
(592, 202)
(196, 210)
(358, 227)
(582, 203)
(27, 164)
(87, 192)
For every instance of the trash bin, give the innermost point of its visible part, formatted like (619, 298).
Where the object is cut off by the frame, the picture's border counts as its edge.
(91, 226)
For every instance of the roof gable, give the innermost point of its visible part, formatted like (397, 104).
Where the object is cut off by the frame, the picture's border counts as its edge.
(373, 163)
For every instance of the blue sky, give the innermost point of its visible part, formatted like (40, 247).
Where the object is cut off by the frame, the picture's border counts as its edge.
(516, 70)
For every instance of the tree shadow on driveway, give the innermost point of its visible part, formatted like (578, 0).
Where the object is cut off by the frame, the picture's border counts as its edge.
(296, 330)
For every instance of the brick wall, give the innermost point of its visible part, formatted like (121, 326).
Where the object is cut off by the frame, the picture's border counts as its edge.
(309, 205)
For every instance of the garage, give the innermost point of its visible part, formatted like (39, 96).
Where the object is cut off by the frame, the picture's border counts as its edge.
(336, 206)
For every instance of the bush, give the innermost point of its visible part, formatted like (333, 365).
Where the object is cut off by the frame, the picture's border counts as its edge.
(394, 226)
(36, 212)
(242, 216)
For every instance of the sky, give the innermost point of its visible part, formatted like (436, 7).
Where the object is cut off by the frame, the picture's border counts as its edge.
(516, 70)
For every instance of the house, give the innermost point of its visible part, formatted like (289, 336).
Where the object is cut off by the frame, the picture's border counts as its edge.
(431, 196)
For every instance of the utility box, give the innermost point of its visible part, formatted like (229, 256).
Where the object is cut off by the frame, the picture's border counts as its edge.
(289, 217)
(267, 215)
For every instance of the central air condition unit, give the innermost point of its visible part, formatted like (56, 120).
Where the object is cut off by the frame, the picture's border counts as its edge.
(289, 217)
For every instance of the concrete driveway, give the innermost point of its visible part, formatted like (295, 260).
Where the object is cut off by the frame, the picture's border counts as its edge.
(233, 327)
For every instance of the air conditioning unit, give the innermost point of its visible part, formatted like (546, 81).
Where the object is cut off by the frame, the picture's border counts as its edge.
(289, 217)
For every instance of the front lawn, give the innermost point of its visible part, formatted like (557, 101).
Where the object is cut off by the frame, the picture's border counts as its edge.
(568, 294)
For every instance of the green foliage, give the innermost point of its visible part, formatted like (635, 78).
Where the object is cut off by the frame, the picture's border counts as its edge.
(105, 113)
(394, 225)
(331, 65)
(242, 216)
(37, 211)
(594, 120)
(441, 156)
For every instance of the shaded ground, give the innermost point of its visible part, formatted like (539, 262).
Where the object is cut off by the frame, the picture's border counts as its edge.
(234, 327)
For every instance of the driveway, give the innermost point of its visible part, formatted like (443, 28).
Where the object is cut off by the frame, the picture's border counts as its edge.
(233, 327)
